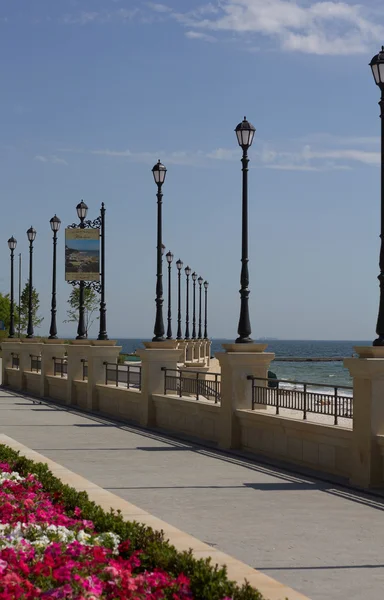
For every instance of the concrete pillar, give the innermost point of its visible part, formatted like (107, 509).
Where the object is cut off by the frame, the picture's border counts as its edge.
(77, 350)
(50, 350)
(98, 354)
(368, 415)
(182, 345)
(8, 348)
(28, 347)
(153, 358)
(237, 362)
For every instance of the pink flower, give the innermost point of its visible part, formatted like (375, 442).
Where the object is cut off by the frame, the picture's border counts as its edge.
(3, 566)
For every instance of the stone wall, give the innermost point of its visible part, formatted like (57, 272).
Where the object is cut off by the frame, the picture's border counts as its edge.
(313, 445)
(355, 454)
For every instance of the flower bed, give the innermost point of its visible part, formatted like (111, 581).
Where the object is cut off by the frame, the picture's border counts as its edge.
(55, 543)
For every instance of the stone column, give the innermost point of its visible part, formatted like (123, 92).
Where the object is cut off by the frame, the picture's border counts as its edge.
(237, 362)
(189, 351)
(28, 347)
(98, 354)
(368, 415)
(183, 345)
(8, 348)
(50, 350)
(155, 356)
(77, 350)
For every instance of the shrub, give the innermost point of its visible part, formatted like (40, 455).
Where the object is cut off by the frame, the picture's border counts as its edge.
(208, 582)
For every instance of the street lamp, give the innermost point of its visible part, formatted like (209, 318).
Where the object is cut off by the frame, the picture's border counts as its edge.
(187, 271)
(245, 133)
(82, 211)
(179, 265)
(159, 173)
(206, 284)
(55, 226)
(377, 66)
(12, 243)
(200, 282)
(31, 234)
(194, 277)
(169, 256)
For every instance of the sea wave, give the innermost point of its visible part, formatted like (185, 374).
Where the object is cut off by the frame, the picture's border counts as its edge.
(341, 391)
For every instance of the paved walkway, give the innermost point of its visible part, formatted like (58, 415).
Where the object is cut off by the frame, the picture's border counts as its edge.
(324, 541)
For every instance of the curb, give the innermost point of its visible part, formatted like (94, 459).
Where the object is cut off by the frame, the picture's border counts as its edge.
(236, 570)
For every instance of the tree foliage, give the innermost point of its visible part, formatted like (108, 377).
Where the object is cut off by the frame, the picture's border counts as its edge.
(5, 310)
(24, 303)
(91, 305)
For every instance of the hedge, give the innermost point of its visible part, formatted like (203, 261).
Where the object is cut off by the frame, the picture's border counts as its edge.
(208, 582)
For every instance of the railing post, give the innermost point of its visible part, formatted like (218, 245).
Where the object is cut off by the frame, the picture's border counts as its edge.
(336, 400)
(197, 385)
(106, 372)
(117, 374)
(277, 397)
(128, 376)
(305, 402)
(165, 380)
(180, 384)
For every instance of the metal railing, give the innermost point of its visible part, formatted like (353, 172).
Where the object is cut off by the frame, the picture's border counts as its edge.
(15, 361)
(129, 375)
(197, 386)
(60, 367)
(305, 398)
(85, 369)
(35, 363)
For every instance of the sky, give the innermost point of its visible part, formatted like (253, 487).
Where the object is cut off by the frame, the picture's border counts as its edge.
(94, 92)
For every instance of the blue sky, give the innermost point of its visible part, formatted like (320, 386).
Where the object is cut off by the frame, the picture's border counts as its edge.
(93, 92)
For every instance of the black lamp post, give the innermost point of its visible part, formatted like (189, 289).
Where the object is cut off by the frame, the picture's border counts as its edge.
(12, 243)
(206, 284)
(187, 271)
(245, 133)
(55, 226)
(82, 210)
(194, 277)
(31, 233)
(179, 265)
(159, 173)
(377, 66)
(200, 282)
(169, 256)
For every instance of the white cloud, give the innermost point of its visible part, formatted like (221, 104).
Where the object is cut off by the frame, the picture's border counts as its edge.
(51, 159)
(160, 8)
(323, 27)
(314, 152)
(199, 35)
(104, 16)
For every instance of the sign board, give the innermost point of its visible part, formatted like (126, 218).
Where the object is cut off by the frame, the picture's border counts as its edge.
(82, 254)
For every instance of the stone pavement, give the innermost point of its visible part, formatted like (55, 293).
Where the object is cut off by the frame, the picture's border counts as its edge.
(318, 538)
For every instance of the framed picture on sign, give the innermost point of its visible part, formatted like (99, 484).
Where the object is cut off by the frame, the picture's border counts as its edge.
(82, 254)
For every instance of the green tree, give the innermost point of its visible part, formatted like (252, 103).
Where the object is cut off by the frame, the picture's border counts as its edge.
(91, 305)
(23, 316)
(5, 309)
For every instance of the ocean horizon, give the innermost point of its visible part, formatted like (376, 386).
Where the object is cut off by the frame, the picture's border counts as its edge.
(329, 373)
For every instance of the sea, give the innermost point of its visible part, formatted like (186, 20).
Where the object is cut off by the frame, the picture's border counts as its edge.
(330, 373)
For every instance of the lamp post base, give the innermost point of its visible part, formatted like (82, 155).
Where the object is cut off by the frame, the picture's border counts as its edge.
(244, 340)
(158, 339)
(379, 341)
